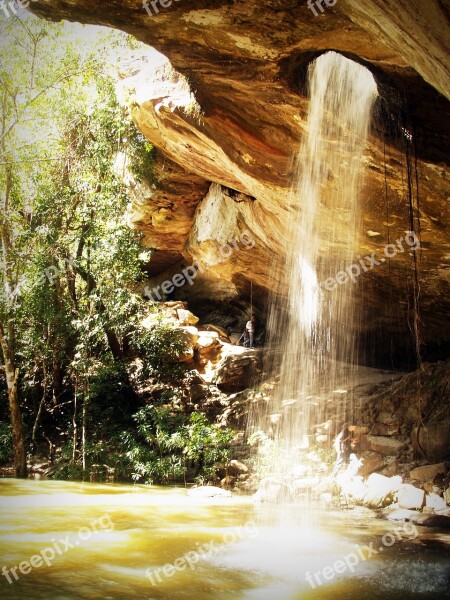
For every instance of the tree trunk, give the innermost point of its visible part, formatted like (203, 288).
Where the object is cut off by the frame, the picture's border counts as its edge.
(12, 380)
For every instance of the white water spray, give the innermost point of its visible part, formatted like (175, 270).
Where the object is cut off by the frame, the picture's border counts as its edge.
(316, 328)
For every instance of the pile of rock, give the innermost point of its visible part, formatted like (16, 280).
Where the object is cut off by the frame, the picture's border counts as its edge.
(430, 493)
(208, 350)
(408, 421)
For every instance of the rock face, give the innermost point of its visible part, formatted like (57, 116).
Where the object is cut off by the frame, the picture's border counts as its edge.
(224, 160)
(229, 367)
(417, 398)
(432, 440)
(385, 445)
(236, 372)
(428, 472)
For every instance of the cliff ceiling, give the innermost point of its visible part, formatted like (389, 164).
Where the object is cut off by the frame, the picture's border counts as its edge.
(224, 157)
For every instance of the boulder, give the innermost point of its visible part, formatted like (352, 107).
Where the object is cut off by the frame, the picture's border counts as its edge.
(385, 445)
(353, 487)
(447, 495)
(428, 520)
(228, 482)
(237, 467)
(387, 429)
(432, 440)
(435, 502)
(186, 317)
(272, 490)
(371, 462)
(207, 345)
(237, 372)
(198, 391)
(399, 514)
(381, 489)
(391, 467)
(410, 497)
(306, 484)
(208, 491)
(189, 333)
(222, 333)
(427, 472)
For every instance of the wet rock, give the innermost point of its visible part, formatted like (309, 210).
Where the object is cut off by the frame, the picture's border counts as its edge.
(272, 490)
(228, 482)
(440, 521)
(385, 445)
(354, 487)
(432, 440)
(447, 495)
(381, 490)
(427, 472)
(410, 497)
(371, 462)
(304, 485)
(208, 491)
(435, 502)
(237, 467)
(399, 514)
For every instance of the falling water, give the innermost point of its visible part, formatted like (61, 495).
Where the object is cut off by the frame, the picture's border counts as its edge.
(315, 327)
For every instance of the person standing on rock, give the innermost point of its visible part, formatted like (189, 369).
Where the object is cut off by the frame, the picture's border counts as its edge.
(250, 329)
(344, 444)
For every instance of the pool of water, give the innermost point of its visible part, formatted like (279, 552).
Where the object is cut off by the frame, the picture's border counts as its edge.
(65, 540)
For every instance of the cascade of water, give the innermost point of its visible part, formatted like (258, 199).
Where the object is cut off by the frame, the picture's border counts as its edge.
(315, 327)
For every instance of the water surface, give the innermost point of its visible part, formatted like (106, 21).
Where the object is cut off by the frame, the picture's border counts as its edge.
(109, 541)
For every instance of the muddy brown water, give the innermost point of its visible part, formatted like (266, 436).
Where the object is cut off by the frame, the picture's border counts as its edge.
(73, 541)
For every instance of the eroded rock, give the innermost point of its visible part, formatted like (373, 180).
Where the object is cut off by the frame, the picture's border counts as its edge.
(432, 440)
(410, 497)
(427, 472)
(385, 445)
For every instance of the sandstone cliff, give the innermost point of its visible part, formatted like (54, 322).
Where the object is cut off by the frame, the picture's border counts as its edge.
(226, 135)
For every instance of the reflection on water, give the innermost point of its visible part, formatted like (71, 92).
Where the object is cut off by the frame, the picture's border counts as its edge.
(106, 541)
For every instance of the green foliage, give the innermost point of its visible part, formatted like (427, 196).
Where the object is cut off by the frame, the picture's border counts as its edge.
(6, 450)
(168, 442)
(159, 348)
(70, 264)
(111, 395)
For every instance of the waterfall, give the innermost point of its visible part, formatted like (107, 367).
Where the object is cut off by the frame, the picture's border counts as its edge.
(314, 327)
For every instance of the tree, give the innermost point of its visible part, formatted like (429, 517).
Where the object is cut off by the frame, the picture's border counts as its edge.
(62, 227)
